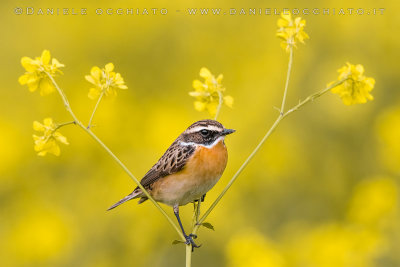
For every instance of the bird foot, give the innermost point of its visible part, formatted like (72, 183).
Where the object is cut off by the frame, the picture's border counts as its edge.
(189, 241)
(193, 235)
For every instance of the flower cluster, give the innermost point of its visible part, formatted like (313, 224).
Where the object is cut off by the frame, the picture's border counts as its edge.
(37, 71)
(209, 94)
(290, 31)
(356, 88)
(105, 81)
(47, 143)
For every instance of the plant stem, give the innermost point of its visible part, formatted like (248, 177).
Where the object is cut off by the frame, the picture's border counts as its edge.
(220, 100)
(94, 110)
(196, 213)
(59, 125)
(135, 180)
(287, 80)
(312, 97)
(188, 256)
(254, 152)
(116, 159)
(269, 132)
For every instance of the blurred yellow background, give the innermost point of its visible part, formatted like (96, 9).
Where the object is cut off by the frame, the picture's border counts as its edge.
(324, 191)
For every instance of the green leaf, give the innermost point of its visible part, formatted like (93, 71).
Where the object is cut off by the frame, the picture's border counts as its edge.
(175, 242)
(208, 225)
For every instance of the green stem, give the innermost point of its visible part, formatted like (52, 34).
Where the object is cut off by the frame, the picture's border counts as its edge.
(198, 210)
(312, 97)
(135, 180)
(59, 125)
(233, 179)
(269, 132)
(287, 80)
(94, 110)
(220, 100)
(188, 256)
(116, 159)
(196, 213)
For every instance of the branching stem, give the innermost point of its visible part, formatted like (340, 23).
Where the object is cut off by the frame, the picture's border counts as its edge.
(59, 125)
(196, 221)
(220, 101)
(95, 109)
(260, 144)
(287, 80)
(116, 159)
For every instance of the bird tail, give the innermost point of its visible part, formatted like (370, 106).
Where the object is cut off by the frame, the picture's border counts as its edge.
(132, 195)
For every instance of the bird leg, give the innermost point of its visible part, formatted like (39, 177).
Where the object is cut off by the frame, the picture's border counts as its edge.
(189, 238)
(200, 199)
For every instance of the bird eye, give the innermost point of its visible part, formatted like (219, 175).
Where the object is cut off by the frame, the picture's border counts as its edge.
(204, 132)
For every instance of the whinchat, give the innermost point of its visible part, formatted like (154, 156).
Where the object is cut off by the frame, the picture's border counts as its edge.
(189, 168)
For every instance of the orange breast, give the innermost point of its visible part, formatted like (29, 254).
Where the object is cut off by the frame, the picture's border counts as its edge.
(209, 162)
(199, 175)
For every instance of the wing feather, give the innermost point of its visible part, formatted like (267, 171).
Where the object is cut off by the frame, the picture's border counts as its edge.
(173, 160)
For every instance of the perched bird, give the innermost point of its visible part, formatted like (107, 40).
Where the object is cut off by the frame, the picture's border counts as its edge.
(189, 168)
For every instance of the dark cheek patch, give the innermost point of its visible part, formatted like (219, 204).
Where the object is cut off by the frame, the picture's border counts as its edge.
(197, 138)
(211, 139)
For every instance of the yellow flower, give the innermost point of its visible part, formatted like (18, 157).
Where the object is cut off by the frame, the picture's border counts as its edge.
(105, 81)
(356, 89)
(251, 249)
(290, 31)
(208, 94)
(35, 76)
(388, 132)
(374, 201)
(48, 142)
(338, 244)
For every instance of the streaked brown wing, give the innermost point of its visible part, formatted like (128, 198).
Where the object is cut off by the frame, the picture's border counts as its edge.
(173, 160)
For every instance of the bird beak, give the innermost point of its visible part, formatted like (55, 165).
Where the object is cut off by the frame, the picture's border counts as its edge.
(227, 131)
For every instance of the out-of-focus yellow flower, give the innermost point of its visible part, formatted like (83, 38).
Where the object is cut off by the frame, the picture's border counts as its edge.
(105, 80)
(47, 236)
(253, 250)
(35, 76)
(356, 89)
(388, 132)
(208, 94)
(290, 31)
(335, 244)
(374, 201)
(47, 143)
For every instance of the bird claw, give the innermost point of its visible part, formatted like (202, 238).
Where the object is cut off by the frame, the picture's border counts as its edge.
(193, 235)
(189, 241)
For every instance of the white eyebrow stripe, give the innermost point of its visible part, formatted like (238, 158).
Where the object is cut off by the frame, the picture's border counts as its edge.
(199, 128)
